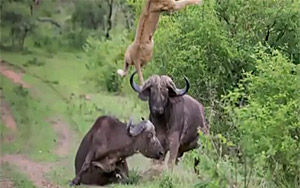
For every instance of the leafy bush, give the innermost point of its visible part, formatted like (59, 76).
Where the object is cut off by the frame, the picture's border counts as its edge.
(105, 57)
(212, 45)
(133, 178)
(89, 14)
(168, 180)
(263, 145)
(269, 121)
(34, 62)
(17, 17)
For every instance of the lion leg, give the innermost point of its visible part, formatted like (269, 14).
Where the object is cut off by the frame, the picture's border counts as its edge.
(139, 71)
(123, 72)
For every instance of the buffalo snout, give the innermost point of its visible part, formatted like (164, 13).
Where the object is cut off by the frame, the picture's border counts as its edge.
(160, 155)
(160, 152)
(158, 111)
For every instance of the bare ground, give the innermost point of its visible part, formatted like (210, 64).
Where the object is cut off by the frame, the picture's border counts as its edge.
(14, 76)
(35, 171)
(6, 183)
(65, 137)
(8, 120)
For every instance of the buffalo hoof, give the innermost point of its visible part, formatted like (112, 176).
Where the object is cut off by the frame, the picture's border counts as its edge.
(74, 182)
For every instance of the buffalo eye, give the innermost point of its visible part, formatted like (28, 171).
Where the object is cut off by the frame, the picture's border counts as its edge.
(150, 135)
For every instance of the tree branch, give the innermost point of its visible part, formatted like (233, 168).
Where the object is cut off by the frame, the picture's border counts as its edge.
(109, 21)
(49, 20)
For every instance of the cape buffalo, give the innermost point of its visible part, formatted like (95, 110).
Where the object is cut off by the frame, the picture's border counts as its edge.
(175, 115)
(101, 156)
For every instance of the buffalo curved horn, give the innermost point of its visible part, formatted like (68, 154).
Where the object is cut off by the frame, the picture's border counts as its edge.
(134, 86)
(138, 129)
(130, 122)
(181, 92)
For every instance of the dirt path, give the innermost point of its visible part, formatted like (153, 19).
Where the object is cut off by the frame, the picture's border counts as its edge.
(65, 137)
(6, 183)
(6, 116)
(16, 77)
(8, 120)
(35, 171)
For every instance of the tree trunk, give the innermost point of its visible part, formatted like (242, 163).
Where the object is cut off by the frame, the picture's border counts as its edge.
(109, 18)
(12, 36)
(23, 38)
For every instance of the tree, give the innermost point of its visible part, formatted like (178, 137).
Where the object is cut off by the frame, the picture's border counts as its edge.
(89, 14)
(17, 16)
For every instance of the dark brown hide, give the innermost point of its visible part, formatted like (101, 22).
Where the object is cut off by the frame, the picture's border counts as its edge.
(176, 118)
(102, 153)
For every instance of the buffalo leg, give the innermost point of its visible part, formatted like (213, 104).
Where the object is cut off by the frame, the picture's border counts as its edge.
(84, 168)
(104, 166)
(122, 171)
(196, 162)
(92, 155)
(174, 147)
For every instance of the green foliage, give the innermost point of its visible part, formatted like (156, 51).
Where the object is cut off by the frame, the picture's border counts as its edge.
(34, 62)
(105, 57)
(274, 22)
(89, 14)
(17, 16)
(167, 181)
(136, 6)
(134, 177)
(18, 179)
(262, 146)
(212, 45)
(29, 116)
(241, 58)
(268, 122)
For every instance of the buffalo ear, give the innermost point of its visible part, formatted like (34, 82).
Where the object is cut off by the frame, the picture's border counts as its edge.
(172, 92)
(144, 94)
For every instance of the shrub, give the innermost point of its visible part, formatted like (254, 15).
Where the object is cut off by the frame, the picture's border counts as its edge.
(105, 57)
(269, 122)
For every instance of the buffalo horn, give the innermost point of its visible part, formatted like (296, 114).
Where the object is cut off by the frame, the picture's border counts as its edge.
(134, 86)
(180, 92)
(138, 129)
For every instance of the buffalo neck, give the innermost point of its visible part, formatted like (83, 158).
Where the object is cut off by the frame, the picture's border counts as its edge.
(130, 148)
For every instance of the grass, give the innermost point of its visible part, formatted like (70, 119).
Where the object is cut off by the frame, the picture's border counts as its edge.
(32, 127)
(31, 107)
(12, 174)
(59, 79)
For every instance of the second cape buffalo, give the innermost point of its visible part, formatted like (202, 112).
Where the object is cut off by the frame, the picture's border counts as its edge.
(101, 156)
(175, 115)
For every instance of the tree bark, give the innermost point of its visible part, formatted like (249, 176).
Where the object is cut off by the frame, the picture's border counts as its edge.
(49, 20)
(109, 18)
(12, 36)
